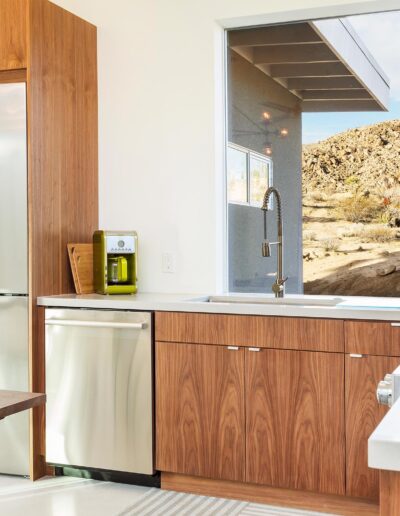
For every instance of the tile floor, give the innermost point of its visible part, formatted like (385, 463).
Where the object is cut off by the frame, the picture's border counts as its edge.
(69, 496)
(65, 496)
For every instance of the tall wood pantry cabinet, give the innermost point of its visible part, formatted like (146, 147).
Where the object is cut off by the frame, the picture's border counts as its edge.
(55, 54)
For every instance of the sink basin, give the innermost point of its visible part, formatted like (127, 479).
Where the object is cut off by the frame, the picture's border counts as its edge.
(269, 300)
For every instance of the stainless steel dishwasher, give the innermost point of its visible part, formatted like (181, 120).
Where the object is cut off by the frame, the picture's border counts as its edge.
(99, 386)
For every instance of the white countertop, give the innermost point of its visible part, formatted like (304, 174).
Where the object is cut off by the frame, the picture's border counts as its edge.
(373, 308)
(384, 442)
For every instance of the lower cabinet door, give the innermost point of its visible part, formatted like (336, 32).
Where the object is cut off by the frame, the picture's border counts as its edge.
(363, 414)
(200, 416)
(295, 429)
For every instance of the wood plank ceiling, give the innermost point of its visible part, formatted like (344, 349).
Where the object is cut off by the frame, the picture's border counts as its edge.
(305, 59)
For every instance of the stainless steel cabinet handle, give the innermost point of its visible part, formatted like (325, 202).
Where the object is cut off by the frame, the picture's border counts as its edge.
(356, 355)
(395, 324)
(95, 324)
(233, 348)
(254, 349)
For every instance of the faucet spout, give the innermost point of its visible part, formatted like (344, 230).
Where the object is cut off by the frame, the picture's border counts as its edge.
(278, 288)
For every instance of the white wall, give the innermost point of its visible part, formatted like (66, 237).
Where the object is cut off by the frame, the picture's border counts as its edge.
(161, 114)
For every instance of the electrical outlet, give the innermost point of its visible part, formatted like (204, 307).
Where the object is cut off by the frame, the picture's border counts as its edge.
(168, 263)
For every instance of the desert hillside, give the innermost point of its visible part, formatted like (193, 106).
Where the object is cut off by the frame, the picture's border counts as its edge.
(351, 212)
(366, 156)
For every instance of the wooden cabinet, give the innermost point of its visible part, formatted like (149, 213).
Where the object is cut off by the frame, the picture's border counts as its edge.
(13, 34)
(250, 331)
(363, 414)
(55, 53)
(200, 415)
(272, 417)
(295, 420)
(290, 418)
(372, 338)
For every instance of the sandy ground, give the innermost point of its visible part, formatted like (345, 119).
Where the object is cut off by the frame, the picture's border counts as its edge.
(339, 258)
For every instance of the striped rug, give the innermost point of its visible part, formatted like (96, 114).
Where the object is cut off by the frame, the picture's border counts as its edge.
(157, 502)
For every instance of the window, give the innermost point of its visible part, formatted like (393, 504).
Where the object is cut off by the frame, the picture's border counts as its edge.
(249, 174)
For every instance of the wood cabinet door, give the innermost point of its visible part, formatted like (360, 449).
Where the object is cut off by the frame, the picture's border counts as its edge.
(295, 420)
(200, 416)
(13, 34)
(363, 414)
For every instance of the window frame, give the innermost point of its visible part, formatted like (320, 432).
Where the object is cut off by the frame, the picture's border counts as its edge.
(250, 153)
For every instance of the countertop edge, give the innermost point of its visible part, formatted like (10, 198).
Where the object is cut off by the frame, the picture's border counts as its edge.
(191, 303)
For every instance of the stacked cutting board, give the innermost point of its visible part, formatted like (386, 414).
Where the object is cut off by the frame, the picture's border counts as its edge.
(81, 260)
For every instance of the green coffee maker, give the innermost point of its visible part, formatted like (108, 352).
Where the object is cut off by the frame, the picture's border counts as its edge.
(115, 262)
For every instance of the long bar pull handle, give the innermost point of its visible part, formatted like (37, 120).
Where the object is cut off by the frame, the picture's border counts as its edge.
(233, 348)
(95, 324)
(395, 324)
(254, 349)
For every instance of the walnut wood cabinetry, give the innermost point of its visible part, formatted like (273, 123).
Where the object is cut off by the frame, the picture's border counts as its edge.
(286, 405)
(55, 53)
(363, 413)
(298, 417)
(295, 420)
(250, 330)
(13, 34)
(200, 410)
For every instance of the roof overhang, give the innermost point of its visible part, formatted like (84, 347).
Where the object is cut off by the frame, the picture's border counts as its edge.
(324, 63)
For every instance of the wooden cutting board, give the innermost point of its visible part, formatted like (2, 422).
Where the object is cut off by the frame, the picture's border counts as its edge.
(81, 260)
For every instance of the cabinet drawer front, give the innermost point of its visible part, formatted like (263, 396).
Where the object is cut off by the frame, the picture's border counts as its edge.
(372, 338)
(251, 331)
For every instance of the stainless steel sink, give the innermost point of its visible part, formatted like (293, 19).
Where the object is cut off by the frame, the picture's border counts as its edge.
(270, 300)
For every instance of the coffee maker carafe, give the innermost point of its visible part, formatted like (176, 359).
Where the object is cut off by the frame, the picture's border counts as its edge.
(115, 262)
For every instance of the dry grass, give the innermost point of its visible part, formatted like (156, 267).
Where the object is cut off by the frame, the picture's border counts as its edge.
(359, 208)
(310, 236)
(331, 245)
(378, 234)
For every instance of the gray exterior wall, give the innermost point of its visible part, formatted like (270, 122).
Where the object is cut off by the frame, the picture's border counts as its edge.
(250, 93)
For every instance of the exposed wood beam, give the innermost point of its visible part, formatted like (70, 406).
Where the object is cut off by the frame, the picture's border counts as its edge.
(276, 35)
(301, 53)
(354, 94)
(287, 71)
(315, 106)
(323, 83)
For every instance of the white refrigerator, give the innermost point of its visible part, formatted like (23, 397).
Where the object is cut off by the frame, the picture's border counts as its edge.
(14, 360)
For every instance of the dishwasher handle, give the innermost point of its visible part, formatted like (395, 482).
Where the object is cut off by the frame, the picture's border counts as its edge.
(95, 324)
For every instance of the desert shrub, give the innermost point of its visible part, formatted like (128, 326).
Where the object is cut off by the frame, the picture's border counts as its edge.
(359, 208)
(331, 245)
(317, 196)
(311, 236)
(377, 234)
(352, 180)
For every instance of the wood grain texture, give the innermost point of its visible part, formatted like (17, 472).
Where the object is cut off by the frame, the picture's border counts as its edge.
(248, 331)
(363, 414)
(12, 402)
(62, 165)
(389, 493)
(372, 338)
(13, 40)
(306, 500)
(81, 262)
(12, 76)
(200, 418)
(295, 420)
